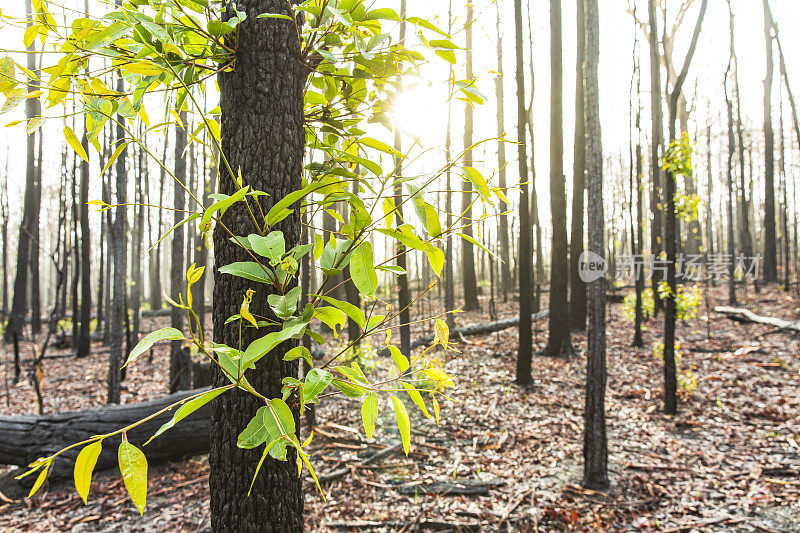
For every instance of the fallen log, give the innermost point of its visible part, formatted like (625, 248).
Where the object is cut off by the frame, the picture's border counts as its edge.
(474, 329)
(23, 439)
(741, 314)
(467, 487)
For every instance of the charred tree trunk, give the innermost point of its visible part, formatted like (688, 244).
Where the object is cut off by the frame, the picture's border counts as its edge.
(595, 444)
(449, 280)
(577, 288)
(263, 93)
(559, 342)
(770, 249)
(83, 342)
(672, 236)
(656, 200)
(118, 238)
(525, 353)
(505, 255)
(729, 184)
(19, 303)
(467, 250)
(180, 364)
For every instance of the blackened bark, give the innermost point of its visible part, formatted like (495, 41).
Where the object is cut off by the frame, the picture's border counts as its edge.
(525, 353)
(136, 248)
(577, 288)
(180, 364)
(19, 303)
(467, 249)
(4, 237)
(35, 252)
(449, 281)
(729, 185)
(559, 342)
(672, 235)
(656, 133)
(262, 134)
(83, 344)
(403, 291)
(595, 445)
(155, 268)
(119, 245)
(505, 255)
(770, 249)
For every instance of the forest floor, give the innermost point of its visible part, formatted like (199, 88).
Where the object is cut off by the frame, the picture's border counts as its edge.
(729, 461)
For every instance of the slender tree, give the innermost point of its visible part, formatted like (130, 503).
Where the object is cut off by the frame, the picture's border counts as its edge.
(84, 342)
(729, 185)
(19, 303)
(4, 235)
(577, 288)
(403, 291)
(671, 236)
(467, 250)
(595, 446)
(559, 342)
(505, 255)
(180, 364)
(525, 248)
(119, 245)
(770, 249)
(656, 133)
(263, 93)
(449, 279)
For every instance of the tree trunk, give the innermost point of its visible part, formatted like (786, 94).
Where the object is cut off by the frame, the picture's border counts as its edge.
(403, 291)
(180, 364)
(155, 269)
(559, 342)
(595, 445)
(577, 289)
(35, 252)
(467, 250)
(770, 250)
(672, 237)
(19, 303)
(505, 255)
(449, 280)
(118, 239)
(264, 92)
(84, 344)
(656, 132)
(709, 251)
(729, 184)
(525, 353)
(136, 249)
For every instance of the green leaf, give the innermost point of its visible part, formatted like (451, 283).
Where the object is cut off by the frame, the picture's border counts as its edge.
(403, 423)
(84, 466)
(163, 334)
(362, 269)
(261, 347)
(380, 146)
(220, 207)
(416, 397)
(249, 270)
(435, 407)
(305, 460)
(479, 182)
(351, 390)
(73, 141)
(284, 306)
(271, 246)
(369, 413)
(40, 479)
(255, 434)
(299, 352)
(315, 382)
(383, 13)
(436, 259)
(133, 466)
(13, 99)
(275, 16)
(399, 359)
(280, 426)
(331, 317)
(353, 312)
(187, 409)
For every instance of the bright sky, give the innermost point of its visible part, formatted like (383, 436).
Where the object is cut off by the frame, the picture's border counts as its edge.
(424, 110)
